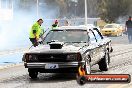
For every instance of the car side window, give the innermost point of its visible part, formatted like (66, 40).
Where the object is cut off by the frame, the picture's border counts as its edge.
(92, 37)
(97, 35)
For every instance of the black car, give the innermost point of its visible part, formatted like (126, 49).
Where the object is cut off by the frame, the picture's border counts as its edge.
(69, 49)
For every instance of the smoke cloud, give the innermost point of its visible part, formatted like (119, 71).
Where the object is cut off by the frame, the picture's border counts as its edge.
(15, 33)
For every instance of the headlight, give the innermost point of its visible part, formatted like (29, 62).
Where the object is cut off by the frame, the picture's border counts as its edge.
(31, 58)
(26, 57)
(74, 57)
(71, 57)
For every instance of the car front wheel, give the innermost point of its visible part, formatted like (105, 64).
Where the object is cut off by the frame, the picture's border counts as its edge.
(33, 74)
(81, 80)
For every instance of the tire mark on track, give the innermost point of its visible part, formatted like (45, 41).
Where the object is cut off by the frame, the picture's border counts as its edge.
(128, 62)
(122, 53)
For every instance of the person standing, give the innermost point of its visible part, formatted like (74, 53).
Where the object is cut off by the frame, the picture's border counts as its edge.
(35, 32)
(55, 25)
(129, 29)
(66, 23)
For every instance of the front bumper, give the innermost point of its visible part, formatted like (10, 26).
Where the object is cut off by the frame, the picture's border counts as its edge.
(59, 64)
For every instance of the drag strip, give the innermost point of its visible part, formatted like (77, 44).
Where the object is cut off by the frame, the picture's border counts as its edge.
(17, 77)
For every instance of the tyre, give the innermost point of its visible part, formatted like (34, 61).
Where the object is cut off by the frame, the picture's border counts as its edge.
(104, 63)
(33, 74)
(81, 80)
(111, 50)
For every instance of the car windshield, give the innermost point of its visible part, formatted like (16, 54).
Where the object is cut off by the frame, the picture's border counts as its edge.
(110, 26)
(67, 36)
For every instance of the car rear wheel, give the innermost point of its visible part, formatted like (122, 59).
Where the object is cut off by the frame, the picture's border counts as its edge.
(33, 74)
(111, 50)
(104, 63)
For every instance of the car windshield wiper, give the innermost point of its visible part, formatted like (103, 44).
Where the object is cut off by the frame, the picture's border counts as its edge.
(52, 41)
(76, 42)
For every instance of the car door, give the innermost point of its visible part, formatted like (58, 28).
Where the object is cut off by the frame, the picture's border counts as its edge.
(94, 50)
(101, 46)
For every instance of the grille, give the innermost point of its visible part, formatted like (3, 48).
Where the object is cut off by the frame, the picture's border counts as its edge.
(107, 31)
(52, 58)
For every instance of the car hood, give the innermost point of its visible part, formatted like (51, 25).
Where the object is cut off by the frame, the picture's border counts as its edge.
(64, 49)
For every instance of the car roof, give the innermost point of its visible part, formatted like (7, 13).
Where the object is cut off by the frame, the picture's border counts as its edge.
(74, 28)
(112, 24)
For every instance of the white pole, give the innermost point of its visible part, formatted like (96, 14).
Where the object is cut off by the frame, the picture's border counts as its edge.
(12, 5)
(6, 4)
(85, 12)
(0, 4)
(37, 8)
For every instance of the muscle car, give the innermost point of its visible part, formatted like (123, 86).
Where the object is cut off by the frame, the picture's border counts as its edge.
(69, 49)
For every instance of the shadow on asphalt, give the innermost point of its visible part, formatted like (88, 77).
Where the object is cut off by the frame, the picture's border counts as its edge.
(56, 77)
(47, 77)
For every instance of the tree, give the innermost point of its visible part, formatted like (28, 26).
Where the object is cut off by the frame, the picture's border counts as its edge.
(26, 4)
(62, 7)
(111, 10)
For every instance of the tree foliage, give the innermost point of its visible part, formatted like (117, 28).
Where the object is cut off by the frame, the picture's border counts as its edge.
(108, 10)
(111, 10)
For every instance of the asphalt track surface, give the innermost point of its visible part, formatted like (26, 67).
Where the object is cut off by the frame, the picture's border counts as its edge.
(121, 63)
